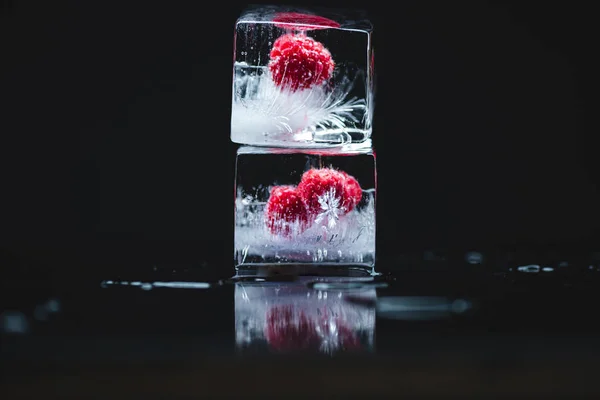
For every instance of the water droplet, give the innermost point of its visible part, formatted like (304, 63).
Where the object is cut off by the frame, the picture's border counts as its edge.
(474, 257)
(414, 307)
(182, 285)
(53, 305)
(14, 322)
(530, 269)
(146, 286)
(105, 284)
(459, 306)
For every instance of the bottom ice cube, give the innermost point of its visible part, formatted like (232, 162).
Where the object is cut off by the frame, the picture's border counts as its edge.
(305, 207)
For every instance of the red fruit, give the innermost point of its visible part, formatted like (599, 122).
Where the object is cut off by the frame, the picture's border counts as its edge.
(321, 183)
(286, 212)
(299, 62)
(353, 192)
(303, 22)
(339, 189)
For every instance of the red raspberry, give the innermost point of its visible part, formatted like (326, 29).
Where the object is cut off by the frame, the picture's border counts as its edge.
(299, 62)
(353, 191)
(286, 213)
(316, 183)
(303, 22)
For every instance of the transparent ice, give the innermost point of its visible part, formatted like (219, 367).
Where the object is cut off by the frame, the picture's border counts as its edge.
(338, 111)
(292, 317)
(335, 237)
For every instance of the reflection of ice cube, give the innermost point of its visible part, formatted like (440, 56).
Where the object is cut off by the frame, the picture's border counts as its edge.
(336, 110)
(291, 317)
(332, 234)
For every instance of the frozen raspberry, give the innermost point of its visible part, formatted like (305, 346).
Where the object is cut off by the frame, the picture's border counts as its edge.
(353, 192)
(286, 213)
(299, 62)
(319, 184)
(303, 22)
(329, 190)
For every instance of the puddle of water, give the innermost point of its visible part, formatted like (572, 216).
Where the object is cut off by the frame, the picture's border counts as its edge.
(158, 284)
(421, 307)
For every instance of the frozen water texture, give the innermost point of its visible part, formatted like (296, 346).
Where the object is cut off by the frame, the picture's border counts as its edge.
(337, 111)
(340, 239)
(291, 317)
(335, 236)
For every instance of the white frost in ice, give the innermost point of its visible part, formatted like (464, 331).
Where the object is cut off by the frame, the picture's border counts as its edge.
(260, 108)
(330, 209)
(342, 237)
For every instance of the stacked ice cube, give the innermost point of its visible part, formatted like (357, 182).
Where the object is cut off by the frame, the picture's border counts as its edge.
(302, 109)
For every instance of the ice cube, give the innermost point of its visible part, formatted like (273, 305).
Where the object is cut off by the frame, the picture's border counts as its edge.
(305, 207)
(292, 317)
(302, 78)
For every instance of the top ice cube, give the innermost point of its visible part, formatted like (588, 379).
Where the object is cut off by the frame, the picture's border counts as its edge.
(302, 78)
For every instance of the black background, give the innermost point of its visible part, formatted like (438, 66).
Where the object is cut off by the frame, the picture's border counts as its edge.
(115, 129)
(115, 156)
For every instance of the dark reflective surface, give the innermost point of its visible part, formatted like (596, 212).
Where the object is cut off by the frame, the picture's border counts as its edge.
(326, 316)
(466, 320)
